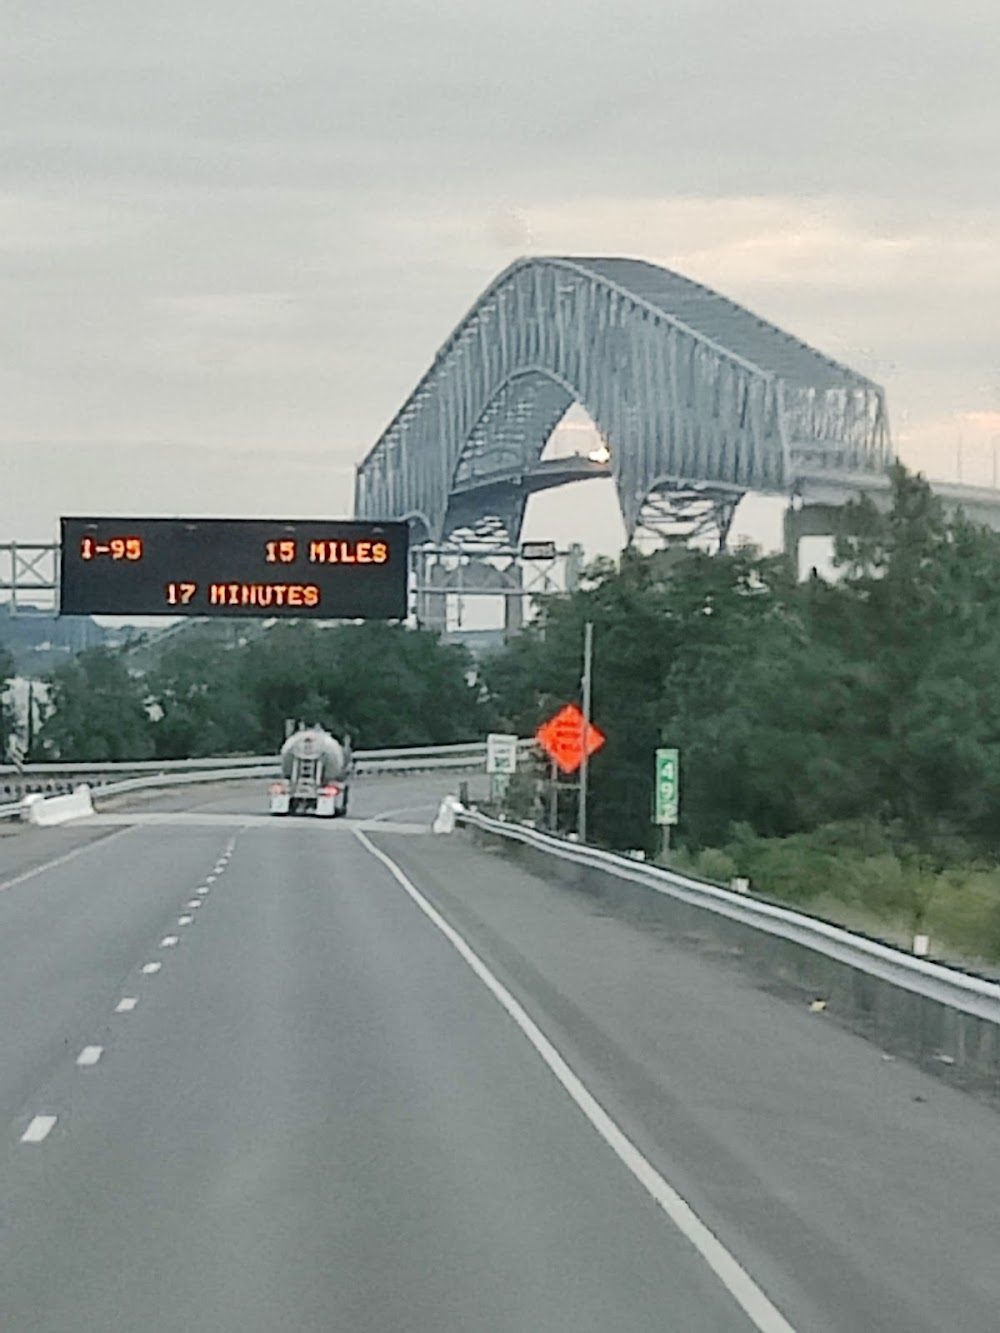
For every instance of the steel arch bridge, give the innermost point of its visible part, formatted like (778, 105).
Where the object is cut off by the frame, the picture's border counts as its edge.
(698, 400)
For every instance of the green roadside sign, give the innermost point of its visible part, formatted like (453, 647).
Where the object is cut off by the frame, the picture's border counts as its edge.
(667, 787)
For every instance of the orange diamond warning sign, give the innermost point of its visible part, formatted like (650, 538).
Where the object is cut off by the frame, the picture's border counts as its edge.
(562, 738)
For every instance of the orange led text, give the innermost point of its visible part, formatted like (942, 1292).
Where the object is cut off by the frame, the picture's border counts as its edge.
(180, 594)
(348, 553)
(263, 594)
(117, 548)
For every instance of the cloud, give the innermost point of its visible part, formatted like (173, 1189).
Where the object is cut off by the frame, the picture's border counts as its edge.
(251, 226)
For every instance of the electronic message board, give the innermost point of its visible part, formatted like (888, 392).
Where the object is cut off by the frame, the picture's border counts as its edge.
(335, 570)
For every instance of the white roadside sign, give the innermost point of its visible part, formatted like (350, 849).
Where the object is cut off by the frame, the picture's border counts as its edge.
(501, 753)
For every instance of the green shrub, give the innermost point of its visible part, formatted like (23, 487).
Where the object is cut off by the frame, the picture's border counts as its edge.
(714, 864)
(965, 913)
(866, 876)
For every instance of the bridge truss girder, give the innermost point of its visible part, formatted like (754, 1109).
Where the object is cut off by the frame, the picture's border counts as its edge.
(677, 409)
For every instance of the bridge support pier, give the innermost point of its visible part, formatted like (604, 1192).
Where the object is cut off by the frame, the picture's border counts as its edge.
(513, 604)
(810, 521)
(681, 512)
(431, 604)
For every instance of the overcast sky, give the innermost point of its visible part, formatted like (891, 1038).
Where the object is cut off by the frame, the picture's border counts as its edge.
(232, 235)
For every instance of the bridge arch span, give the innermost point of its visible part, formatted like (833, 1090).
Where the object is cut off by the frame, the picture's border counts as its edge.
(687, 388)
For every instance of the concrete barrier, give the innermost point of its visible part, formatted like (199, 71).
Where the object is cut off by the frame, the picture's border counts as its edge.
(46, 811)
(936, 1017)
(445, 819)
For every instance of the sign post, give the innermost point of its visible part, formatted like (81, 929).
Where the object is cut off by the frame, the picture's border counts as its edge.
(666, 793)
(566, 738)
(15, 753)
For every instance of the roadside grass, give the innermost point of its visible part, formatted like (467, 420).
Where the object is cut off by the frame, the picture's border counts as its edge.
(851, 876)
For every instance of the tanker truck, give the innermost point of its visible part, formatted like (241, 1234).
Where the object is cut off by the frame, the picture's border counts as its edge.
(315, 775)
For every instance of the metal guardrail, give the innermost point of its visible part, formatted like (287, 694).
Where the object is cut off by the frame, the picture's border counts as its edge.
(470, 749)
(957, 990)
(401, 763)
(150, 775)
(152, 781)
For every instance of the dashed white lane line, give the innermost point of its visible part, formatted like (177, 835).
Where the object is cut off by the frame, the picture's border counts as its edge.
(210, 879)
(150, 968)
(184, 920)
(39, 1129)
(169, 941)
(90, 1055)
(194, 903)
(766, 1318)
(126, 1004)
(203, 890)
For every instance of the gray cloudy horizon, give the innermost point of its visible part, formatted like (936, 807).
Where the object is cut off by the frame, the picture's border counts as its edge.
(244, 230)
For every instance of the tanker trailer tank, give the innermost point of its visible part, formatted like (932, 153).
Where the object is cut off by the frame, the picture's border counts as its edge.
(315, 775)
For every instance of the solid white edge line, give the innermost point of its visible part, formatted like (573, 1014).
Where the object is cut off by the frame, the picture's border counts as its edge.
(39, 1129)
(748, 1295)
(384, 816)
(126, 1004)
(90, 1055)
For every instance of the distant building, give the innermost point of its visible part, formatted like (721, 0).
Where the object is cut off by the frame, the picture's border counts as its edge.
(39, 640)
(478, 641)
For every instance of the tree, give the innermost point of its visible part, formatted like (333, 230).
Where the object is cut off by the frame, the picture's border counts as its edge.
(392, 686)
(794, 705)
(926, 618)
(97, 711)
(6, 704)
(199, 695)
(383, 684)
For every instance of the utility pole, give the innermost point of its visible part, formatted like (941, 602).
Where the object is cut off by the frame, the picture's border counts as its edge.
(30, 738)
(588, 654)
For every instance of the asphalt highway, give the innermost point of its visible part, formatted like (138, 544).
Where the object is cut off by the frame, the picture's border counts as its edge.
(251, 1078)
